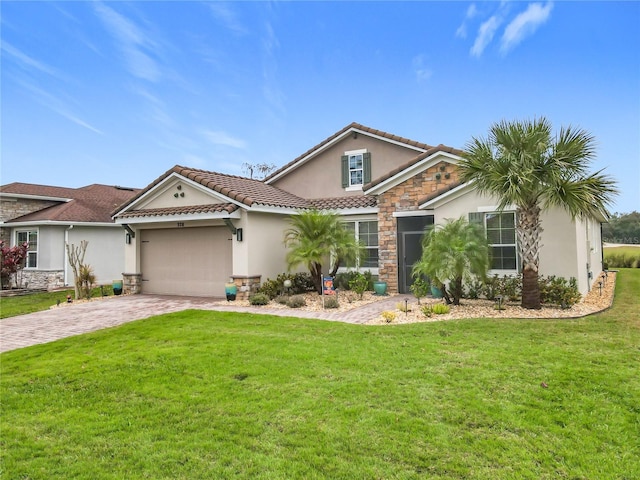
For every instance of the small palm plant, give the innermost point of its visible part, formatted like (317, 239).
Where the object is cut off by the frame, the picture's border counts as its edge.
(452, 253)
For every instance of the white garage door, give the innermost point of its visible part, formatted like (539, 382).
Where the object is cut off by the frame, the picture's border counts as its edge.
(186, 261)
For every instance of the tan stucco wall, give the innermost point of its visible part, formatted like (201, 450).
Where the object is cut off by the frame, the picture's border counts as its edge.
(322, 176)
(564, 251)
(187, 195)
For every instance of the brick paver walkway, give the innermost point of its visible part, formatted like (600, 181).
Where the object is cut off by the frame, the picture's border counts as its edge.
(69, 320)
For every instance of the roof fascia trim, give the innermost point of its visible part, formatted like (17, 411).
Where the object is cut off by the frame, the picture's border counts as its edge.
(177, 218)
(447, 196)
(61, 223)
(35, 197)
(335, 140)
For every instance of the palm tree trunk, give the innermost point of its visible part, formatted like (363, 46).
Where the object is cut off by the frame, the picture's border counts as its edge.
(529, 233)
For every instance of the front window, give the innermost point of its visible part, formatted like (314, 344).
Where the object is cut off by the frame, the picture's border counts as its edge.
(501, 234)
(366, 232)
(31, 238)
(356, 170)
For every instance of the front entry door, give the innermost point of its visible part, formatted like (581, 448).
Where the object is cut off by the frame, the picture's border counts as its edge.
(410, 233)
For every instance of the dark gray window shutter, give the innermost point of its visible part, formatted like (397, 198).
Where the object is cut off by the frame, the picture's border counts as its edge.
(345, 171)
(366, 165)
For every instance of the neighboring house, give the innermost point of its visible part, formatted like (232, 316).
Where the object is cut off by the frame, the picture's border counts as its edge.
(191, 230)
(49, 217)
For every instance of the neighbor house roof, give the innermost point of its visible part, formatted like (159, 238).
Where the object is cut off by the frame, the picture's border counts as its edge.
(355, 127)
(93, 203)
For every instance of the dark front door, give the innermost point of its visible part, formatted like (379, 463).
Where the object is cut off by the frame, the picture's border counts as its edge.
(410, 232)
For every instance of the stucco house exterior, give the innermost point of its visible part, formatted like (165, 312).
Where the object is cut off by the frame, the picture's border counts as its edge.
(191, 230)
(48, 217)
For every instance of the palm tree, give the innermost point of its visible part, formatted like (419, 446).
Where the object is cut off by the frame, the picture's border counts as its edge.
(315, 237)
(521, 163)
(451, 253)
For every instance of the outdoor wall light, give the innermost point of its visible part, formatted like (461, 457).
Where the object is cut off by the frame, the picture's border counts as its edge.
(239, 234)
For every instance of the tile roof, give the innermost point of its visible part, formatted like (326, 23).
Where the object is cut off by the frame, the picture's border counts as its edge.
(356, 126)
(92, 203)
(160, 212)
(339, 203)
(246, 191)
(413, 161)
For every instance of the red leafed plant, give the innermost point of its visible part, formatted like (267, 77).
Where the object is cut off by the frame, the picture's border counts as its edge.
(12, 260)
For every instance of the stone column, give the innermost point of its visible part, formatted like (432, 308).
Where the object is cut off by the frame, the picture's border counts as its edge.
(131, 283)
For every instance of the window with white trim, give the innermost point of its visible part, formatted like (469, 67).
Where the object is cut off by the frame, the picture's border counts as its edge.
(31, 238)
(356, 169)
(366, 232)
(500, 228)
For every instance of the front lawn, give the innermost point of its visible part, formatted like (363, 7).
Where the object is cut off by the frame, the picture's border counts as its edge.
(222, 395)
(36, 302)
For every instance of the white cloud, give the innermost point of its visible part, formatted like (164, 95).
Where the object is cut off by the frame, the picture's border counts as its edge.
(134, 44)
(423, 73)
(525, 24)
(485, 34)
(225, 15)
(471, 12)
(224, 139)
(26, 61)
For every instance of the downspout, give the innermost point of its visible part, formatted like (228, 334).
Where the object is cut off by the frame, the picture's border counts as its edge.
(64, 259)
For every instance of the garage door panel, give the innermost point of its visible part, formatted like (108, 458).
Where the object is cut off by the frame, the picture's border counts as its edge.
(186, 261)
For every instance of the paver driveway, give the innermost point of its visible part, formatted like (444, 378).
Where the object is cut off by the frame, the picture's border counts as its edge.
(69, 320)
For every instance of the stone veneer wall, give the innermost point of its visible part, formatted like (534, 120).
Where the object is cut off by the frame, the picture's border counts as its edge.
(131, 283)
(401, 198)
(49, 279)
(10, 209)
(247, 285)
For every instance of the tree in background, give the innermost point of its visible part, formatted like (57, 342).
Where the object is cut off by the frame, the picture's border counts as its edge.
(521, 163)
(452, 253)
(622, 228)
(261, 170)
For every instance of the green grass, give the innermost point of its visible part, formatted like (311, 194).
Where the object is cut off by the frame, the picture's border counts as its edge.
(622, 257)
(197, 395)
(36, 302)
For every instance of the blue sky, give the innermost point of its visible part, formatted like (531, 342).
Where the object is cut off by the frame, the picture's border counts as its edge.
(119, 92)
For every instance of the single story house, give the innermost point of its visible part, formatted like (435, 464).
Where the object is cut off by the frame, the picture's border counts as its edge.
(48, 217)
(191, 230)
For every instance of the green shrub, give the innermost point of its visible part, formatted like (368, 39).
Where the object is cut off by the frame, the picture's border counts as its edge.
(440, 308)
(331, 302)
(359, 284)
(490, 287)
(296, 301)
(420, 288)
(343, 280)
(300, 283)
(510, 287)
(426, 310)
(259, 299)
(474, 289)
(281, 299)
(558, 291)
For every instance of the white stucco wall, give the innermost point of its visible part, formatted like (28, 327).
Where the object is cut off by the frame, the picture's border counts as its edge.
(51, 250)
(105, 251)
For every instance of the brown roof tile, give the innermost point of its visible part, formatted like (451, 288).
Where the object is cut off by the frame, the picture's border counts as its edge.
(357, 126)
(337, 203)
(92, 203)
(413, 161)
(161, 212)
